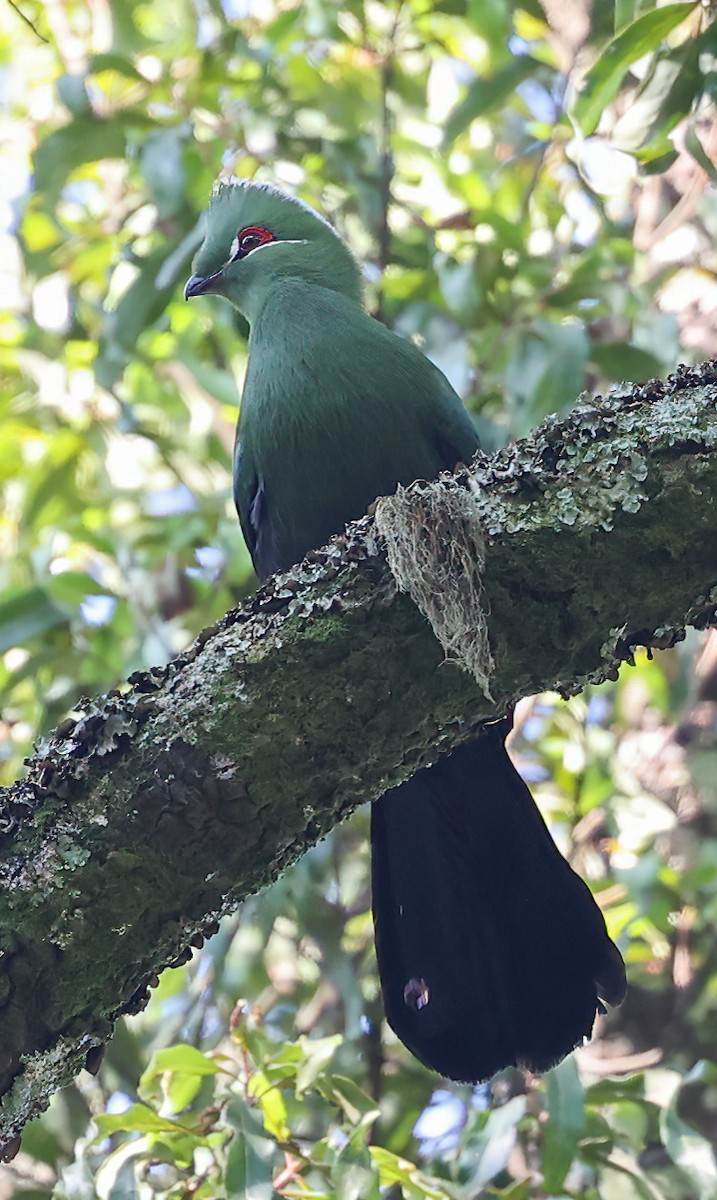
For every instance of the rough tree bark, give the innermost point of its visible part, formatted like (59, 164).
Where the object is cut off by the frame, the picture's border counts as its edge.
(161, 806)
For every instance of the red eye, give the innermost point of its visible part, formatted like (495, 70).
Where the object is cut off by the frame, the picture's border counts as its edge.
(248, 239)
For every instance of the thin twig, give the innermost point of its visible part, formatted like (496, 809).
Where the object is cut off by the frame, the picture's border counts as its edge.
(387, 168)
(28, 22)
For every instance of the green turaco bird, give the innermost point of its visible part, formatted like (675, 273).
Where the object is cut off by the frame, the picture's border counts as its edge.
(491, 950)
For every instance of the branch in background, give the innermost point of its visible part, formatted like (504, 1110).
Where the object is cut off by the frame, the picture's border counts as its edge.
(28, 22)
(160, 808)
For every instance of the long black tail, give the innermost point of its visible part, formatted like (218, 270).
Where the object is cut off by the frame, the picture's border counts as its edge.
(491, 950)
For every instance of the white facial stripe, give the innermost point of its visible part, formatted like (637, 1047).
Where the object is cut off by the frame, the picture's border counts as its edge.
(234, 249)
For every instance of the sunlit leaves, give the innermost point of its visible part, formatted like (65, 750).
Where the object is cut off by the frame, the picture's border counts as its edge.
(606, 75)
(84, 140)
(487, 94)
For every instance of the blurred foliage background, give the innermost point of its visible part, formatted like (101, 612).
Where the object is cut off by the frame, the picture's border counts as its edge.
(530, 187)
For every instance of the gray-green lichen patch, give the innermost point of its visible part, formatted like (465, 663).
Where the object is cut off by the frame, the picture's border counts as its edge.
(42, 1074)
(598, 463)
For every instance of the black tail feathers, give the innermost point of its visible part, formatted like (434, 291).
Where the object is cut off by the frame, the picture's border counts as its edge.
(491, 950)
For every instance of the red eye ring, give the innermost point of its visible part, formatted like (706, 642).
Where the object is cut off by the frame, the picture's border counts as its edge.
(250, 238)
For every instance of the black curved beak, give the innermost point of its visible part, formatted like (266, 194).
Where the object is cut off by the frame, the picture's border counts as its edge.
(197, 285)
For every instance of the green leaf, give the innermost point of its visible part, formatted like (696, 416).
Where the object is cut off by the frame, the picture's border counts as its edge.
(218, 383)
(689, 1150)
(565, 1102)
(125, 1184)
(656, 162)
(76, 1181)
(547, 369)
(653, 110)
(163, 169)
(619, 360)
(485, 94)
(140, 1119)
(359, 1108)
(183, 1058)
(394, 1169)
(181, 1070)
(115, 62)
(285, 1064)
(630, 1121)
(354, 1175)
(86, 139)
(318, 1053)
(280, 32)
(622, 1179)
(624, 13)
(26, 613)
(698, 152)
(271, 1102)
(493, 1145)
(250, 1161)
(71, 587)
(116, 1177)
(141, 304)
(604, 78)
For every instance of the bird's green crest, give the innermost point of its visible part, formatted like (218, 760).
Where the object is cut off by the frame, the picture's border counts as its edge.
(307, 246)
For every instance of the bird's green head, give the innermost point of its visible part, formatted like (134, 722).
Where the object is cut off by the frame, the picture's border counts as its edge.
(256, 236)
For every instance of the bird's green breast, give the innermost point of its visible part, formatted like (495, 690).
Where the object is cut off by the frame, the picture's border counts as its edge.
(336, 410)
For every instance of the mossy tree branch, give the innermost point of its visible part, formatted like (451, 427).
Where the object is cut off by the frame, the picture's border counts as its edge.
(161, 807)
